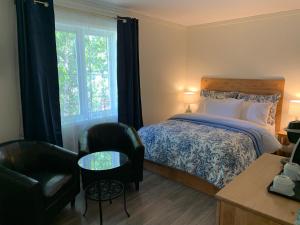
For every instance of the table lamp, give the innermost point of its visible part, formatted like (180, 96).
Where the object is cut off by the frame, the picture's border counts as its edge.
(189, 98)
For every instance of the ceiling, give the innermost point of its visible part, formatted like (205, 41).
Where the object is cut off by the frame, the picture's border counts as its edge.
(193, 12)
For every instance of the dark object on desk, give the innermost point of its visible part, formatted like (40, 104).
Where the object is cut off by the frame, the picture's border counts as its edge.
(119, 137)
(104, 165)
(37, 180)
(296, 153)
(293, 131)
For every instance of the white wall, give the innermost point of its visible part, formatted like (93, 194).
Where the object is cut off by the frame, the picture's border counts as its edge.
(9, 84)
(257, 47)
(162, 68)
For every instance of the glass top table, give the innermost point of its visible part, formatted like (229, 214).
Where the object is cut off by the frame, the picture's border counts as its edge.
(101, 161)
(103, 190)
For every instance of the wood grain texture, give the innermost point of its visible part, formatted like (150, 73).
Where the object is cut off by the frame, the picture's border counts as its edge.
(182, 177)
(248, 192)
(232, 215)
(250, 86)
(159, 202)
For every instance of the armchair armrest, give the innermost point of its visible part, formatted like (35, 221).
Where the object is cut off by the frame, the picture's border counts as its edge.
(137, 153)
(22, 194)
(135, 140)
(16, 181)
(58, 158)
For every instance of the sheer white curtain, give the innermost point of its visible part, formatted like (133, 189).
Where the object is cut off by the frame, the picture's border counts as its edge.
(86, 52)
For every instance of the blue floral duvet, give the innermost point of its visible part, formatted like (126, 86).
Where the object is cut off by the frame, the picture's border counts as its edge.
(212, 148)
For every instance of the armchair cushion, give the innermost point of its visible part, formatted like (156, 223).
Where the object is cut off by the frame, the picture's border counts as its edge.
(51, 182)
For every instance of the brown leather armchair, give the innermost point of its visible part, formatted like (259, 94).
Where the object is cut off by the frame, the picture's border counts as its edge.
(119, 137)
(37, 180)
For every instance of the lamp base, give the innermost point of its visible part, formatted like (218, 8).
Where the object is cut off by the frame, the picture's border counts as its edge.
(188, 110)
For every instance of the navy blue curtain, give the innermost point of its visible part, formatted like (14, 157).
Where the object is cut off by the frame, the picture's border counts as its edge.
(129, 93)
(38, 71)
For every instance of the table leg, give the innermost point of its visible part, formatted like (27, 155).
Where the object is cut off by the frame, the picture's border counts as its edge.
(100, 207)
(125, 204)
(110, 201)
(85, 205)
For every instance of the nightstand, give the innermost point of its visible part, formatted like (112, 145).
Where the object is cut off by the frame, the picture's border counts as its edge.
(246, 201)
(282, 137)
(286, 149)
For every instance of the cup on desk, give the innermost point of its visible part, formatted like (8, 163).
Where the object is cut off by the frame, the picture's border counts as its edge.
(292, 170)
(284, 185)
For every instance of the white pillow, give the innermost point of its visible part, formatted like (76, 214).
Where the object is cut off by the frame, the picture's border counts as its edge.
(223, 107)
(271, 128)
(256, 112)
(201, 106)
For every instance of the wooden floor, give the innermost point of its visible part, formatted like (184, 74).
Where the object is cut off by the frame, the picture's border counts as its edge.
(159, 202)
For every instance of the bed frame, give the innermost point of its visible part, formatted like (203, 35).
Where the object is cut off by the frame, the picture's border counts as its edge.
(251, 86)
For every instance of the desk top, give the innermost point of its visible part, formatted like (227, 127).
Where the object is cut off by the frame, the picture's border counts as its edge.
(249, 191)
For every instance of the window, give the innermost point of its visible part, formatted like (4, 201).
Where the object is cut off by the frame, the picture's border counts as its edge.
(86, 55)
(87, 73)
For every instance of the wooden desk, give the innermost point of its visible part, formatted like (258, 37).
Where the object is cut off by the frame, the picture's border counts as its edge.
(246, 201)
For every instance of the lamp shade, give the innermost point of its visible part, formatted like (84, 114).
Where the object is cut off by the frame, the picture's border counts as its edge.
(294, 108)
(189, 97)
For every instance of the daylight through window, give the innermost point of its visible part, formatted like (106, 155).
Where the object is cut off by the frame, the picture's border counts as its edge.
(87, 73)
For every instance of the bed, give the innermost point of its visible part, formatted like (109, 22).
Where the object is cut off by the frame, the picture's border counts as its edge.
(207, 151)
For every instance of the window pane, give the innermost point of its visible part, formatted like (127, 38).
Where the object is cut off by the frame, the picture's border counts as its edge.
(68, 73)
(97, 69)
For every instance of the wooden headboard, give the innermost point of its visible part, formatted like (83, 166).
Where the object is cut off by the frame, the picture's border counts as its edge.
(250, 86)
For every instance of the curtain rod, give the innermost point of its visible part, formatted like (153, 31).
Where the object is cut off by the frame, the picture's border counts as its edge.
(114, 17)
(44, 3)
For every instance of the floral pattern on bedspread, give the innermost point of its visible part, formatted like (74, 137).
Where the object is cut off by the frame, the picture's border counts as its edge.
(216, 155)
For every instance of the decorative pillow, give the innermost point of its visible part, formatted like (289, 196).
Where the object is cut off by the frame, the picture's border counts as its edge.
(256, 112)
(218, 94)
(273, 99)
(271, 128)
(223, 107)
